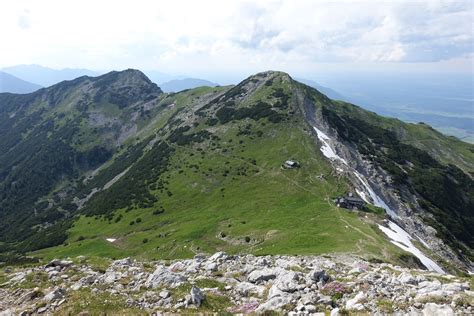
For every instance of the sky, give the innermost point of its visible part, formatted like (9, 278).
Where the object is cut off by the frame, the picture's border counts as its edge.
(214, 39)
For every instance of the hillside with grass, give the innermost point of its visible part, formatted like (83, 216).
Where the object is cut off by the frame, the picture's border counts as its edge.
(213, 180)
(112, 167)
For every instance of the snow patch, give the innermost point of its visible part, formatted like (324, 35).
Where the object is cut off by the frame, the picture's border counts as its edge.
(402, 239)
(326, 149)
(110, 239)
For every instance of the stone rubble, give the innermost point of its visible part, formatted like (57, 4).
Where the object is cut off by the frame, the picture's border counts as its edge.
(294, 285)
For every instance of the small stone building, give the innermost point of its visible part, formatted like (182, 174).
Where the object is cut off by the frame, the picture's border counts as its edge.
(290, 164)
(350, 202)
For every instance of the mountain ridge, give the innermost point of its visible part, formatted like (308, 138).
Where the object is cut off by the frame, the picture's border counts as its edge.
(229, 142)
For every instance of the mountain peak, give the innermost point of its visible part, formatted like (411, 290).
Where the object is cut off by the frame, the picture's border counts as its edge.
(129, 83)
(271, 75)
(127, 77)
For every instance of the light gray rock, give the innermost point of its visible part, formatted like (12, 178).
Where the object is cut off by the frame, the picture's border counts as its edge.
(438, 310)
(76, 286)
(325, 300)
(125, 262)
(247, 289)
(54, 295)
(309, 298)
(262, 275)
(59, 263)
(275, 291)
(407, 278)
(275, 303)
(164, 294)
(455, 287)
(311, 309)
(163, 276)
(287, 282)
(18, 277)
(355, 303)
(211, 266)
(218, 257)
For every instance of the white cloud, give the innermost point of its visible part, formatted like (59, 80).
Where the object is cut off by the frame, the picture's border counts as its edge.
(187, 36)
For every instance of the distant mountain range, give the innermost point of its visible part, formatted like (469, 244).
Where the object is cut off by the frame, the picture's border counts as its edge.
(184, 84)
(36, 76)
(10, 83)
(45, 76)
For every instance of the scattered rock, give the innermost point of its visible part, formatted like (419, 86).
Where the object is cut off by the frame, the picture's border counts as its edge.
(251, 284)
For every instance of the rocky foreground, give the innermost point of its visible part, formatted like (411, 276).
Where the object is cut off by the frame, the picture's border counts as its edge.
(335, 285)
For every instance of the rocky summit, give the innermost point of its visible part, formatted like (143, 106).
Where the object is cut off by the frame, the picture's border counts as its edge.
(294, 285)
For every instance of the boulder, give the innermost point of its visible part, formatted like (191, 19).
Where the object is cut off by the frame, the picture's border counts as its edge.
(211, 266)
(18, 277)
(275, 291)
(274, 304)
(111, 276)
(355, 303)
(164, 294)
(407, 278)
(437, 309)
(287, 282)
(55, 295)
(455, 287)
(262, 275)
(218, 257)
(76, 286)
(163, 276)
(247, 289)
(125, 262)
(59, 263)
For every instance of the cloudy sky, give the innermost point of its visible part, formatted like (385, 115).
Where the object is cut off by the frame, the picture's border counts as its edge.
(208, 38)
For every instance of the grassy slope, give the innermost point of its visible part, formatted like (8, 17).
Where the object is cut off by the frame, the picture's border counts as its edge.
(281, 211)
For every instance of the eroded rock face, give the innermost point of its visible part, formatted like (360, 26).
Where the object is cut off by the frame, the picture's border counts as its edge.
(247, 284)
